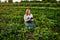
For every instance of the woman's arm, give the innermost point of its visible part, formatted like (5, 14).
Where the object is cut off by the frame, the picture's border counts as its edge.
(31, 19)
(25, 20)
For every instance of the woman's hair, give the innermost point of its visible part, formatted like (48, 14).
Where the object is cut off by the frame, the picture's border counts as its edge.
(27, 11)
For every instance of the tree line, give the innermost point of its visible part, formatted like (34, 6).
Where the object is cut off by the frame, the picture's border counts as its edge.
(11, 1)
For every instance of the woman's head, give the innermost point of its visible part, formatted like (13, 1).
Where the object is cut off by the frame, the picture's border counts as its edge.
(27, 11)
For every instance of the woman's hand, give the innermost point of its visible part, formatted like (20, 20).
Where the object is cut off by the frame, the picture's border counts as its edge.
(29, 19)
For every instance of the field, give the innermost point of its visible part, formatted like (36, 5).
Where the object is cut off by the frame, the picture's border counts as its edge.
(47, 20)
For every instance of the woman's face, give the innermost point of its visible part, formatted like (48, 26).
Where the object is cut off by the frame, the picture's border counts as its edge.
(27, 11)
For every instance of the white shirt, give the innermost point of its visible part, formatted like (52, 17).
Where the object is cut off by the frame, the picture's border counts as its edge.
(27, 16)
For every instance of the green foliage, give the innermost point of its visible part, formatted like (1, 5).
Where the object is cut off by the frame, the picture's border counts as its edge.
(12, 24)
(10, 1)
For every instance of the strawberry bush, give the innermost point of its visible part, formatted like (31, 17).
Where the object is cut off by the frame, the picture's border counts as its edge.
(47, 21)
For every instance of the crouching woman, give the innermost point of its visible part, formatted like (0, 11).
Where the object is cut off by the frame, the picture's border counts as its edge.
(28, 19)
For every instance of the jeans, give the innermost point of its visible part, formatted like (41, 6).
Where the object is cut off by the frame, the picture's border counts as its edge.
(30, 24)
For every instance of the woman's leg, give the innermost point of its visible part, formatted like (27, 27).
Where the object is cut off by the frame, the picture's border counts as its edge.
(30, 25)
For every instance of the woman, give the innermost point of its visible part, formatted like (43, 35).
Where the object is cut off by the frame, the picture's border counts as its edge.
(28, 19)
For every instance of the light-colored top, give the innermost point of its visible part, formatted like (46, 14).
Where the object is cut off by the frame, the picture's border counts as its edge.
(27, 17)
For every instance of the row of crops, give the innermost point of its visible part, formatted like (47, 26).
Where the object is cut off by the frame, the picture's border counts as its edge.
(31, 4)
(12, 26)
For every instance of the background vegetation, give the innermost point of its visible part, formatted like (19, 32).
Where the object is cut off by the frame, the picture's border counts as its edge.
(47, 20)
(46, 17)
